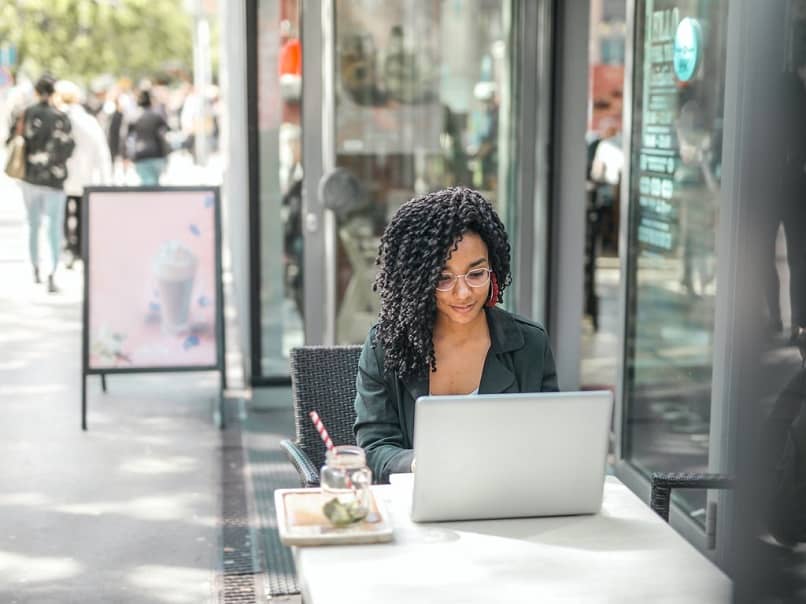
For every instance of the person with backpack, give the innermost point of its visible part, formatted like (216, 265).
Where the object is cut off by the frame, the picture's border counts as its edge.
(48, 146)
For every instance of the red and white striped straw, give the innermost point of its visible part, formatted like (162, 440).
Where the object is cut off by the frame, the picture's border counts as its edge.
(320, 427)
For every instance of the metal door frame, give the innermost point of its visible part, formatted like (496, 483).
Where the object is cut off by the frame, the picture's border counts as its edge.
(318, 29)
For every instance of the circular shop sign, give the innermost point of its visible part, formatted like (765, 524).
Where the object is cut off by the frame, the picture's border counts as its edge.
(687, 49)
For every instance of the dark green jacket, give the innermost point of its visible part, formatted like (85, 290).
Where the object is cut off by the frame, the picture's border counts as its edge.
(519, 360)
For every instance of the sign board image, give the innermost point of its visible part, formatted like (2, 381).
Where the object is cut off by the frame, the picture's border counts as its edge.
(152, 289)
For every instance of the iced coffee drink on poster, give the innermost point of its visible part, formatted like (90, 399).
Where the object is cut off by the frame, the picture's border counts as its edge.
(175, 270)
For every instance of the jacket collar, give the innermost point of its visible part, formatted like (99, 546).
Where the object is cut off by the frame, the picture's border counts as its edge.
(496, 377)
(505, 336)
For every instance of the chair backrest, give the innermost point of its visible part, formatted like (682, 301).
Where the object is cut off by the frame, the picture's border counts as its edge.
(323, 380)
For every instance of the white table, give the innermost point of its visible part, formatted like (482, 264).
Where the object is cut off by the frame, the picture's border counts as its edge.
(626, 553)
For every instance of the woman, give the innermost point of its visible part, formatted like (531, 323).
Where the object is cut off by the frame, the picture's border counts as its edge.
(149, 145)
(90, 163)
(48, 145)
(444, 264)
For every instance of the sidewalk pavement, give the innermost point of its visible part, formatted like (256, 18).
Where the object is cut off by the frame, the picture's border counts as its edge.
(126, 512)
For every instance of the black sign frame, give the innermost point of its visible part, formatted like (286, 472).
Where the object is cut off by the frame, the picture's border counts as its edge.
(219, 329)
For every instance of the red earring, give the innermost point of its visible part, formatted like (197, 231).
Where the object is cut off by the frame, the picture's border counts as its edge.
(493, 299)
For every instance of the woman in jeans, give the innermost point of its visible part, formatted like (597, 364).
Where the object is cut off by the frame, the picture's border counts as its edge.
(48, 145)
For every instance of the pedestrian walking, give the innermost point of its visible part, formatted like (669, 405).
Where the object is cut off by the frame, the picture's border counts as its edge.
(148, 146)
(115, 136)
(48, 145)
(90, 163)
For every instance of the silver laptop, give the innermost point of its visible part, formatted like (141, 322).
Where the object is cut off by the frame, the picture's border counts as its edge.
(510, 455)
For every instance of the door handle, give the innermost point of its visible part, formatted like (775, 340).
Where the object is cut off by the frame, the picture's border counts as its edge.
(311, 222)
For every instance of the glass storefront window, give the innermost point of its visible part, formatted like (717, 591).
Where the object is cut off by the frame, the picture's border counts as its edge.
(279, 88)
(678, 91)
(422, 101)
(602, 270)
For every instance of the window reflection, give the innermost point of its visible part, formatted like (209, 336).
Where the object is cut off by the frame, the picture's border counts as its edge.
(783, 431)
(674, 193)
(422, 94)
(279, 89)
(605, 161)
(770, 379)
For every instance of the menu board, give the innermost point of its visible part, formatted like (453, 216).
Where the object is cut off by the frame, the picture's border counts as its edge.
(152, 288)
(658, 215)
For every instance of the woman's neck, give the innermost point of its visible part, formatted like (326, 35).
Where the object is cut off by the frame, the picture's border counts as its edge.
(445, 329)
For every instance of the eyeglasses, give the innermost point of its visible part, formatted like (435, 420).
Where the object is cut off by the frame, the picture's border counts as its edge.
(478, 277)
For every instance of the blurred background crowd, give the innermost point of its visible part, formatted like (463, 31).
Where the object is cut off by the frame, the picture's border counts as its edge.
(116, 104)
(100, 94)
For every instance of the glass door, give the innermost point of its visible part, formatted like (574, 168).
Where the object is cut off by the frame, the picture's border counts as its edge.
(418, 97)
(674, 190)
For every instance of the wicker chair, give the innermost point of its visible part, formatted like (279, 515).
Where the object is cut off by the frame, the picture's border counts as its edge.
(322, 379)
(664, 482)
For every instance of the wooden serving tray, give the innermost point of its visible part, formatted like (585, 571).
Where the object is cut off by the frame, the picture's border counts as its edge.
(300, 521)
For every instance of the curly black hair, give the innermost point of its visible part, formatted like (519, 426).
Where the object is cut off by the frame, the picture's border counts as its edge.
(414, 249)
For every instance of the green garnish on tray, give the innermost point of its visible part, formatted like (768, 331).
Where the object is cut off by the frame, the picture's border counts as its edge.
(341, 514)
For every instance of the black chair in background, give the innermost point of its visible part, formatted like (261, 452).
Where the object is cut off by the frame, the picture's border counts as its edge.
(322, 380)
(664, 482)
